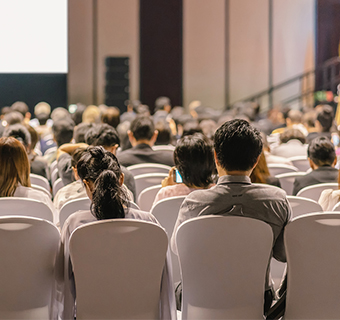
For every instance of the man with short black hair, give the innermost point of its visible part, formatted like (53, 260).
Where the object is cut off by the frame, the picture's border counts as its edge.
(237, 150)
(322, 159)
(142, 135)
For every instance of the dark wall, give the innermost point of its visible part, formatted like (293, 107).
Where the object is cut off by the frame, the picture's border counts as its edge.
(327, 33)
(161, 24)
(33, 88)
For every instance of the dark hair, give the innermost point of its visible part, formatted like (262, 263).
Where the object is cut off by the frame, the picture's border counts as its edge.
(77, 116)
(33, 134)
(80, 131)
(164, 132)
(63, 131)
(20, 106)
(111, 116)
(292, 133)
(237, 145)
(102, 135)
(161, 102)
(13, 117)
(194, 159)
(19, 132)
(325, 117)
(42, 118)
(76, 155)
(321, 151)
(103, 170)
(142, 128)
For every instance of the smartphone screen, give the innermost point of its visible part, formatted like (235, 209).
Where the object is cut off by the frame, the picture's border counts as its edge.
(178, 177)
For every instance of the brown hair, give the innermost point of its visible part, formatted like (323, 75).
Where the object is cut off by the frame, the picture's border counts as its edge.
(15, 166)
(260, 172)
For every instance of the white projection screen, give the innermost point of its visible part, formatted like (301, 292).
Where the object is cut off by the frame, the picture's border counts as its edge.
(33, 36)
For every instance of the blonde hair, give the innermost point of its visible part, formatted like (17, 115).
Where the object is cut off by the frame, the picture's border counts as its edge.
(15, 166)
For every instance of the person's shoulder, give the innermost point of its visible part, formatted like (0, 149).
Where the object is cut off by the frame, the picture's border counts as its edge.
(273, 192)
(132, 213)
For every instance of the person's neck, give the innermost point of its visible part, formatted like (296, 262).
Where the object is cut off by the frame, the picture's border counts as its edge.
(223, 172)
(144, 141)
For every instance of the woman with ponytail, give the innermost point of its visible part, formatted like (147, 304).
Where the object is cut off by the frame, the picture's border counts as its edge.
(103, 179)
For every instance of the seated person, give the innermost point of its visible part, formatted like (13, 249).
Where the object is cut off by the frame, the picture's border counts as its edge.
(142, 135)
(15, 173)
(194, 160)
(329, 197)
(21, 133)
(98, 135)
(292, 143)
(98, 169)
(261, 173)
(76, 190)
(322, 159)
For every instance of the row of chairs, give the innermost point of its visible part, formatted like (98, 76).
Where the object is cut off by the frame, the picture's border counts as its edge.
(232, 254)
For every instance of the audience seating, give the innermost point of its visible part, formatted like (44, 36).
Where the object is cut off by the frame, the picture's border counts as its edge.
(313, 192)
(313, 258)
(73, 206)
(302, 205)
(52, 167)
(133, 205)
(223, 265)
(166, 212)
(300, 162)
(278, 168)
(50, 150)
(57, 185)
(287, 180)
(54, 176)
(147, 197)
(40, 181)
(42, 189)
(14, 206)
(28, 249)
(142, 168)
(336, 207)
(168, 147)
(147, 180)
(118, 266)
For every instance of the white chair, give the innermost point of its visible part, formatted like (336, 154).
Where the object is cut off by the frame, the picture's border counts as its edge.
(223, 265)
(146, 180)
(28, 249)
(133, 205)
(279, 168)
(40, 188)
(54, 176)
(52, 167)
(313, 258)
(287, 180)
(167, 147)
(313, 192)
(147, 197)
(50, 150)
(57, 185)
(300, 162)
(302, 205)
(166, 212)
(40, 181)
(14, 206)
(118, 266)
(73, 206)
(142, 168)
(336, 207)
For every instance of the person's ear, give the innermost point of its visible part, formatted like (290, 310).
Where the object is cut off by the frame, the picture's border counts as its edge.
(154, 137)
(335, 162)
(75, 173)
(132, 138)
(113, 149)
(121, 179)
(312, 164)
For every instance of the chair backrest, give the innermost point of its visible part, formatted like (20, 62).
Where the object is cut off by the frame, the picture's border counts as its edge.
(147, 197)
(313, 256)
(118, 267)
(73, 206)
(28, 249)
(167, 147)
(15, 206)
(146, 180)
(134, 205)
(166, 212)
(287, 180)
(279, 168)
(336, 207)
(313, 192)
(302, 205)
(223, 264)
(57, 185)
(40, 181)
(300, 162)
(53, 166)
(54, 176)
(142, 168)
(40, 188)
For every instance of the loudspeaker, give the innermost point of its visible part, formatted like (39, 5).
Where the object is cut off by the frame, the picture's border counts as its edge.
(117, 82)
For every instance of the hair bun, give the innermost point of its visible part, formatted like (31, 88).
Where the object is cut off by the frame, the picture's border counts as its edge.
(96, 152)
